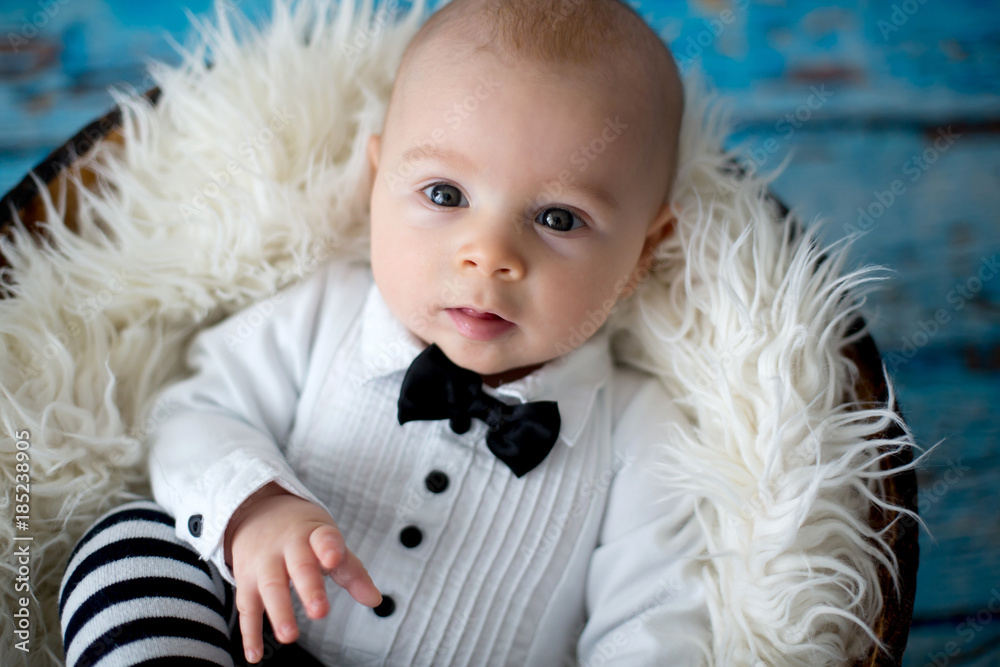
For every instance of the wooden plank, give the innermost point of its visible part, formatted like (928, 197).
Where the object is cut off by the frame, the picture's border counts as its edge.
(57, 67)
(856, 92)
(926, 213)
(961, 641)
(940, 346)
(912, 60)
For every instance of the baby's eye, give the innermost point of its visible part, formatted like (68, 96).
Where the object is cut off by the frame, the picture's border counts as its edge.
(443, 194)
(558, 219)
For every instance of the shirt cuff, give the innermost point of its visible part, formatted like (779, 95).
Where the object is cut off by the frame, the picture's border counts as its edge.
(202, 517)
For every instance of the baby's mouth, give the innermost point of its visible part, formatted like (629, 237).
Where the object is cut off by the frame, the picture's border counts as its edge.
(479, 325)
(479, 314)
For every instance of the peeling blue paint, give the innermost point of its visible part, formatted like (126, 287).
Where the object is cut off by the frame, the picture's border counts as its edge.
(894, 74)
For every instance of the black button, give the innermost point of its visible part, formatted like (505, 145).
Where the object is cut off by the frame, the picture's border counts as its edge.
(194, 525)
(410, 536)
(461, 423)
(436, 481)
(386, 607)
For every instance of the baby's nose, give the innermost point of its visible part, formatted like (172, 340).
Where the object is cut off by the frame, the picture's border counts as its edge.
(494, 250)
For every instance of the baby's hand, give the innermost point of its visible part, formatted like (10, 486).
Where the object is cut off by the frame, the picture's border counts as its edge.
(276, 535)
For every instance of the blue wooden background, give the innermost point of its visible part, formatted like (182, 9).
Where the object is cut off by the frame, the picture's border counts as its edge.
(858, 93)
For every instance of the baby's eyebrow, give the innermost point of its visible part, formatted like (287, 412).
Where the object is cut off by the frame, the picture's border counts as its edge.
(440, 155)
(595, 192)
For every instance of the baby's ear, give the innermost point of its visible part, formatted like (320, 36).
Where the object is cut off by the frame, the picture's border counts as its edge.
(374, 145)
(660, 228)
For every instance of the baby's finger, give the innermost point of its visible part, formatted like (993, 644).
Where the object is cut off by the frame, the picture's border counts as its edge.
(328, 545)
(251, 608)
(352, 576)
(304, 568)
(272, 581)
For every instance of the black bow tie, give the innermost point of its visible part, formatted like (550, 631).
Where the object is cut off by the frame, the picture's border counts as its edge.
(435, 388)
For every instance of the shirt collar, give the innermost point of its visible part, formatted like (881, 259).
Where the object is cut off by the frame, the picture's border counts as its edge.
(572, 380)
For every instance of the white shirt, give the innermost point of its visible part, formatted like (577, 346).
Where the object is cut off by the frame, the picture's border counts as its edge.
(577, 562)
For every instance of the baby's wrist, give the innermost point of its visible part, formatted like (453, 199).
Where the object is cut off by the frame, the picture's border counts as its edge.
(244, 511)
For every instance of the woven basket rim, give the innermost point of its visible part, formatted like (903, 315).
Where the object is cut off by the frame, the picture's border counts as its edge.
(894, 623)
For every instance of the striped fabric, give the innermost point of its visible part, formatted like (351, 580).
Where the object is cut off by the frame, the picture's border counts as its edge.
(133, 594)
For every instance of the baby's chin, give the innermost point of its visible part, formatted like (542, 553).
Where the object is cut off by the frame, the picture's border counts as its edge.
(497, 379)
(493, 371)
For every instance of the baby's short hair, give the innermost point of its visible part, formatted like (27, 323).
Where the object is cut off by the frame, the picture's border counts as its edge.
(604, 42)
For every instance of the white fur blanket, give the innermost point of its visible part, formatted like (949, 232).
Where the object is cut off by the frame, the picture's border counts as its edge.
(247, 174)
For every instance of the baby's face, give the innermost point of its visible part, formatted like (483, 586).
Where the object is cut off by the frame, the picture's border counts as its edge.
(509, 212)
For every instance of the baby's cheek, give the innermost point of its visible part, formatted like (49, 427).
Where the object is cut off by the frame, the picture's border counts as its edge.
(571, 322)
(601, 302)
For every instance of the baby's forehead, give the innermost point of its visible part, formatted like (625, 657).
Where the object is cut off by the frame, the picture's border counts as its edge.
(450, 63)
(602, 44)
(599, 35)
(451, 43)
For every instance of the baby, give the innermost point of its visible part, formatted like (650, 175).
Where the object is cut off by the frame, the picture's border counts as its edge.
(520, 189)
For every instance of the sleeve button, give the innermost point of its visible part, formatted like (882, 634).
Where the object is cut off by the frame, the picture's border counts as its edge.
(195, 524)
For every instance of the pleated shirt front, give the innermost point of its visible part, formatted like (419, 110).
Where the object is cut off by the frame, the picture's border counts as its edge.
(578, 560)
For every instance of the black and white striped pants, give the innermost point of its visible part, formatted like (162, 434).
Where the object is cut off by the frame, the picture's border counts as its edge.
(134, 594)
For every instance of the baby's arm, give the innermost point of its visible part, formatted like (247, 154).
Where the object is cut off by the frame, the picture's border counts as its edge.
(217, 435)
(645, 600)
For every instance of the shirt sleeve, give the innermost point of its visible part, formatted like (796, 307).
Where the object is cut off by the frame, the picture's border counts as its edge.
(645, 599)
(220, 433)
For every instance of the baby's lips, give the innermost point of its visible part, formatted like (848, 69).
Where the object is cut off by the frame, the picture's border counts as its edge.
(479, 314)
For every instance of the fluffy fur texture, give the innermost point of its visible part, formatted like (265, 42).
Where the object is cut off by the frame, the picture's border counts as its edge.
(249, 173)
